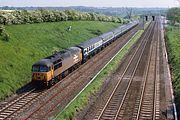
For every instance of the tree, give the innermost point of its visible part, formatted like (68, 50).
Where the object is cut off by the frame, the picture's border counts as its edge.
(93, 16)
(26, 16)
(36, 17)
(41, 15)
(73, 15)
(173, 14)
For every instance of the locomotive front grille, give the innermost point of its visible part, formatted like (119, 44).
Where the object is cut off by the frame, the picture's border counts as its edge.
(39, 76)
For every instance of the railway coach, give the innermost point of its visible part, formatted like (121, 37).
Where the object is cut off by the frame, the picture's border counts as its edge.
(90, 47)
(107, 38)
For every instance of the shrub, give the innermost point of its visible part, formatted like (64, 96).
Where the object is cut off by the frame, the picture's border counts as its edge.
(5, 36)
(2, 29)
(38, 16)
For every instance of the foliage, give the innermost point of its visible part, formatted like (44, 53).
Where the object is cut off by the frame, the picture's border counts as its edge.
(173, 43)
(174, 53)
(1, 29)
(136, 17)
(173, 14)
(41, 15)
(4, 34)
(31, 42)
(83, 98)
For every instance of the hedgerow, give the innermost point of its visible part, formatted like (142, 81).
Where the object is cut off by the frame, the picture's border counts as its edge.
(39, 16)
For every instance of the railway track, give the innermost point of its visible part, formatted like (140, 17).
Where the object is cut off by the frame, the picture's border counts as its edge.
(24, 102)
(119, 105)
(133, 100)
(12, 108)
(149, 101)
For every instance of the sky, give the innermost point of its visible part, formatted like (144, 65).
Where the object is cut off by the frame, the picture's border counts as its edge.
(92, 3)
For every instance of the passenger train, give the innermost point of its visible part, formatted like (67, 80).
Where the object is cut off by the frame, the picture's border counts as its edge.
(51, 69)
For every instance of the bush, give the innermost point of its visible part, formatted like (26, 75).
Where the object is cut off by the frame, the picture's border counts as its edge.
(5, 36)
(2, 29)
(173, 14)
(38, 16)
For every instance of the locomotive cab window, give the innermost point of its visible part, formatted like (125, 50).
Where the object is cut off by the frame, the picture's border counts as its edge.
(43, 69)
(35, 68)
(40, 69)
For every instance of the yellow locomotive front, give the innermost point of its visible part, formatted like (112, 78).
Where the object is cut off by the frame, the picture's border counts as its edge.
(42, 71)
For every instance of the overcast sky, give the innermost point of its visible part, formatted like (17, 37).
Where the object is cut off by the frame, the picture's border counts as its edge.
(93, 3)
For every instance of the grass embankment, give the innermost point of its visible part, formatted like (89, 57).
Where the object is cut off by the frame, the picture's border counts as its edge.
(29, 43)
(173, 43)
(83, 98)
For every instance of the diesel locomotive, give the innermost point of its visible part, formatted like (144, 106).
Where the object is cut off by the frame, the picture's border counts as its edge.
(51, 69)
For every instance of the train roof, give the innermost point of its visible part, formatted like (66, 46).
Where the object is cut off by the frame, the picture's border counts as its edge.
(59, 56)
(117, 30)
(106, 34)
(63, 54)
(89, 42)
(73, 49)
(43, 62)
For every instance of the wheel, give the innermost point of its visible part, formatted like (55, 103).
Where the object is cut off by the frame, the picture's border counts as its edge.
(50, 84)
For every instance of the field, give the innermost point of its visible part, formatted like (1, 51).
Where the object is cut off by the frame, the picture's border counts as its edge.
(173, 43)
(31, 42)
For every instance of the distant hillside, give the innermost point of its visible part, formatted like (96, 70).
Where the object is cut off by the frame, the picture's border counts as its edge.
(103, 10)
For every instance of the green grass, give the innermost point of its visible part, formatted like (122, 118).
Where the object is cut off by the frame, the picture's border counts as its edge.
(29, 43)
(83, 98)
(173, 42)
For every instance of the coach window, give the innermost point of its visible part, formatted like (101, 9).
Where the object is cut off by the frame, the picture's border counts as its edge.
(97, 44)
